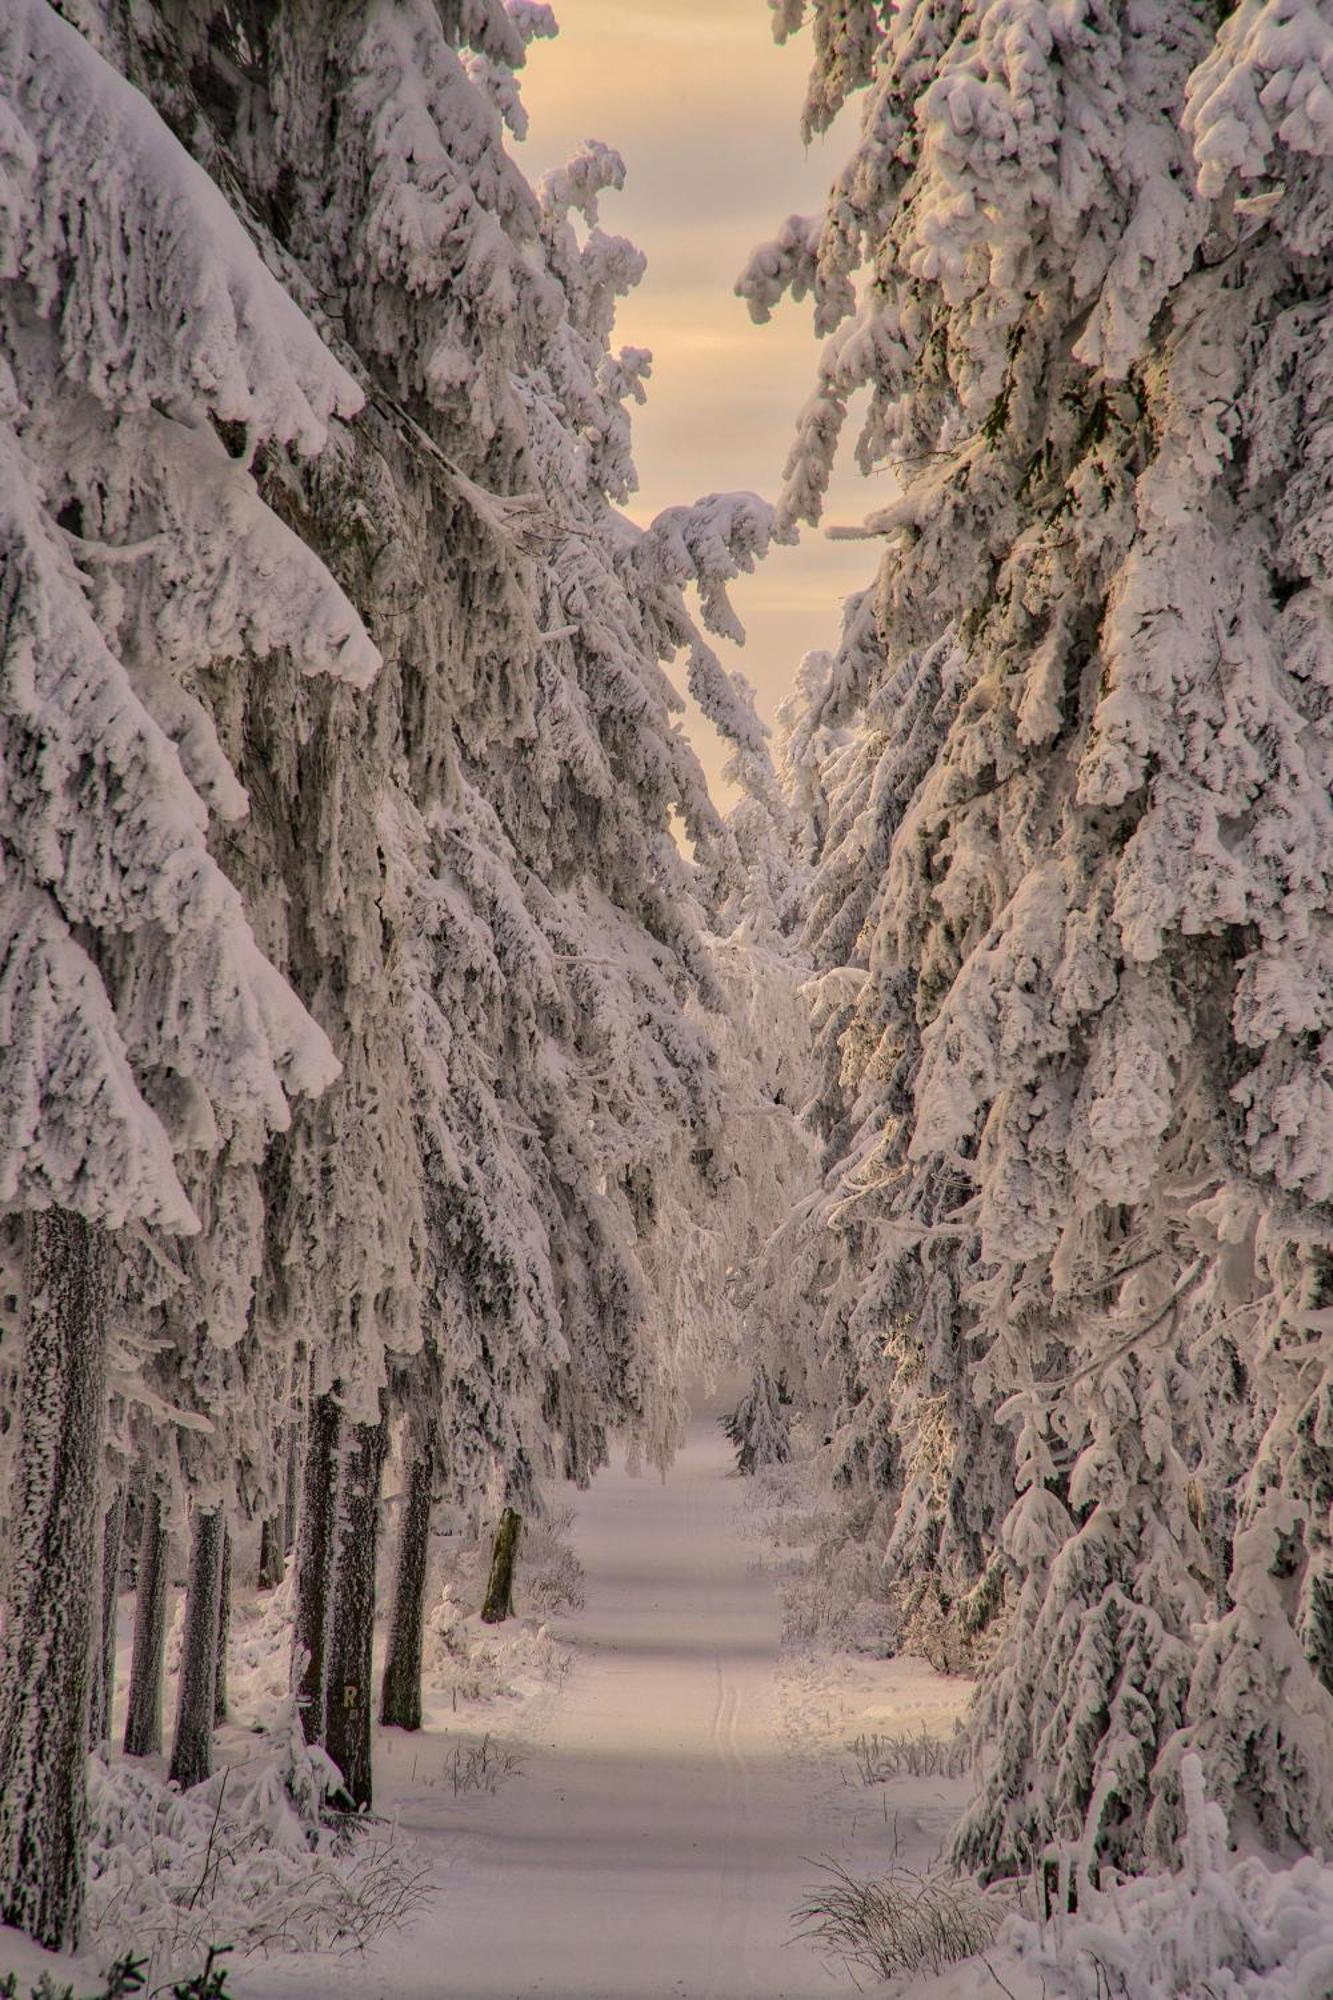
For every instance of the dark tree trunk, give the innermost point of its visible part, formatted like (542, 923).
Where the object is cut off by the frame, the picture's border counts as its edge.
(314, 1565)
(143, 1712)
(192, 1747)
(400, 1700)
(500, 1590)
(47, 1684)
(224, 1631)
(291, 1497)
(104, 1689)
(348, 1731)
(271, 1559)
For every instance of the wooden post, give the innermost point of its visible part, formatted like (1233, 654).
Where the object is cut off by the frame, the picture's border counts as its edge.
(271, 1557)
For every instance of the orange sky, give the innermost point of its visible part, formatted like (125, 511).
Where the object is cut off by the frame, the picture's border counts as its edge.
(704, 107)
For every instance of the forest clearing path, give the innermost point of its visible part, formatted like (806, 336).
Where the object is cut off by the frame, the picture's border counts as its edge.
(652, 1848)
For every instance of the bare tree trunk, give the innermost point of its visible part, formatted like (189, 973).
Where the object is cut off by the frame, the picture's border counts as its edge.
(104, 1689)
(192, 1747)
(224, 1631)
(143, 1713)
(400, 1699)
(499, 1603)
(291, 1499)
(271, 1559)
(314, 1565)
(47, 1682)
(348, 1732)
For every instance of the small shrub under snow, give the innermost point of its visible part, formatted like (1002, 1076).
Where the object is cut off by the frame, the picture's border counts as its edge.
(832, 1582)
(837, 1599)
(550, 1576)
(1225, 1928)
(474, 1662)
(259, 1654)
(244, 1858)
(482, 1663)
(128, 1975)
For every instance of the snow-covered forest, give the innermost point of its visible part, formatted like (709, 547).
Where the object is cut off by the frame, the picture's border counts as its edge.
(418, 1094)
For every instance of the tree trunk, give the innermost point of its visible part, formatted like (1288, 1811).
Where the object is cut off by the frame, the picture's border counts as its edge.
(47, 1684)
(314, 1565)
(143, 1713)
(500, 1590)
(192, 1748)
(291, 1497)
(271, 1560)
(348, 1731)
(400, 1699)
(224, 1631)
(104, 1690)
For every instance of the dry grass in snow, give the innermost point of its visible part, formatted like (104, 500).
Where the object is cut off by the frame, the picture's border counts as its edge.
(900, 1923)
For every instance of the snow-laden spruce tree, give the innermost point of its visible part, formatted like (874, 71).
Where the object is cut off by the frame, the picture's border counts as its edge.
(139, 334)
(1070, 792)
(553, 946)
(471, 876)
(872, 1296)
(769, 1156)
(537, 757)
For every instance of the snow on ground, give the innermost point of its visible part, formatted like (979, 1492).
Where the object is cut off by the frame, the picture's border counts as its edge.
(675, 1790)
(667, 1816)
(29, 1964)
(828, 1701)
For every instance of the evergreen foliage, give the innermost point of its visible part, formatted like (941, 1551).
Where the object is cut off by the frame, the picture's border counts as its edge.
(758, 1426)
(1064, 785)
(354, 988)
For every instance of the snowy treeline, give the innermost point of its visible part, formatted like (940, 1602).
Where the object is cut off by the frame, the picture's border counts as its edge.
(1063, 1308)
(358, 1008)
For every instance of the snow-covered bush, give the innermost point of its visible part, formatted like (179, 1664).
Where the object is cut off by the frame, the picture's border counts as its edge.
(1227, 1927)
(246, 1858)
(837, 1597)
(548, 1578)
(126, 1976)
(472, 1662)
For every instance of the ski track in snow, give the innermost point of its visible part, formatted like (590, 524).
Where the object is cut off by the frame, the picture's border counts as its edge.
(660, 1833)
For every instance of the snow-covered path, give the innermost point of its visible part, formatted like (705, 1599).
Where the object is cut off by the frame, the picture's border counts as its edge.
(653, 1844)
